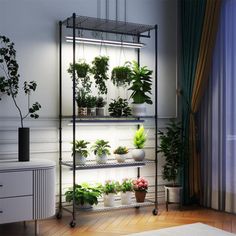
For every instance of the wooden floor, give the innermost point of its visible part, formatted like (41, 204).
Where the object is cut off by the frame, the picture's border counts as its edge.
(123, 222)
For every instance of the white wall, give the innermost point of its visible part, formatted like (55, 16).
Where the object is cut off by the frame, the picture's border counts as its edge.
(33, 27)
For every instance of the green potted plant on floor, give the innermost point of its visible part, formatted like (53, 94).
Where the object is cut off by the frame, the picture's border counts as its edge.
(119, 108)
(100, 103)
(110, 189)
(99, 70)
(9, 85)
(86, 195)
(141, 88)
(101, 150)
(140, 188)
(81, 102)
(140, 138)
(171, 146)
(81, 152)
(126, 191)
(91, 105)
(121, 75)
(121, 153)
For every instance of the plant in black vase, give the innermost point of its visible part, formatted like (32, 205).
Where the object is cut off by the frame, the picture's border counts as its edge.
(9, 85)
(99, 70)
(119, 108)
(100, 103)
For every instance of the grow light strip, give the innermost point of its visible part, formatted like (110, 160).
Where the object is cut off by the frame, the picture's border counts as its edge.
(105, 42)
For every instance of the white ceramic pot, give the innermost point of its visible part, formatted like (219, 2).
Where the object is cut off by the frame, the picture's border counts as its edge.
(100, 111)
(101, 159)
(173, 194)
(126, 198)
(121, 157)
(91, 111)
(79, 159)
(109, 199)
(139, 109)
(138, 154)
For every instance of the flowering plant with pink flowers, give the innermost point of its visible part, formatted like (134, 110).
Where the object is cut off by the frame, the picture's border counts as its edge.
(140, 184)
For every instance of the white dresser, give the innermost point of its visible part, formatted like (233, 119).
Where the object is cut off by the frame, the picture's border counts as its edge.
(27, 190)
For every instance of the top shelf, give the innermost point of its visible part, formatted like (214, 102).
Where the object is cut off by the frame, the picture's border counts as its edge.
(109, 26)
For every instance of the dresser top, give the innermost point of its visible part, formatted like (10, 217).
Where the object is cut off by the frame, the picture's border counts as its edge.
(33, 164)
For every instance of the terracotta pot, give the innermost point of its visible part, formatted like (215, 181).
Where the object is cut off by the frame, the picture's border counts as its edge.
(140, 196)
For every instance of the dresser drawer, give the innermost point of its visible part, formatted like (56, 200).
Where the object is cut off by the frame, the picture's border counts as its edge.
(16, 184)
(16, 209)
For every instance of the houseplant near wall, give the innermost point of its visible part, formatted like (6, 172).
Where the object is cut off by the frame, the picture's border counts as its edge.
(100, 103)
(101, 150)
(110, 189)
(86, 195)
(140, 138)
(126, 191)
(171, 145)
(91, 105)
(141, 87)
(121, 75)
(81, 152)
(121, 153)
(140, 187)
(119, 108)
(81, 102)
(9, 85)
(100, 69)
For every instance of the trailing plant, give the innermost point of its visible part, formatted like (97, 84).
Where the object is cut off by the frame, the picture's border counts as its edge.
(119, 108)
(82, 78)
(81, 98)
(126, 186)
(100, 102)
(100, 69)
(81, 147)
(141, 84)
(101, 147)
(9, 81)
(91, 101)
(84, 194)
(140, 138)
(110, 186)
(121, 75)
(141, 184)
(121, 150)
(171, 145)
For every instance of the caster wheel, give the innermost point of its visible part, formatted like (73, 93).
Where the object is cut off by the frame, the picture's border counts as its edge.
(72, 224)
(59, 215)
(154, 212)
(137, 207)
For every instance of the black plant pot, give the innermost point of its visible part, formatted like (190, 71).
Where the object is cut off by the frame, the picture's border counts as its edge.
(23, 144)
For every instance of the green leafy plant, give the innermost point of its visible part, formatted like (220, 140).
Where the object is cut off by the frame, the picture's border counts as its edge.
(141, 84)
(140, 138)
(121, 150)
(84, 194)
(9, 81)
(91, 101)
(100, 102)
(110, 186)
(126, 185)
(100, 69)
(101, 147)
(81, 98)
(121, 75)
(81, 147)
(171, 145)
(119, 108)
(82, 70)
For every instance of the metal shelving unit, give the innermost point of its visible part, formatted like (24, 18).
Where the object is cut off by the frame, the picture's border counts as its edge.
(136, 31)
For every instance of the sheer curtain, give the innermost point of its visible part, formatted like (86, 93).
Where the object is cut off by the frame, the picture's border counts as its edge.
(217, 119)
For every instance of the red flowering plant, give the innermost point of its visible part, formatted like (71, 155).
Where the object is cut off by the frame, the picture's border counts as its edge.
(141, 184)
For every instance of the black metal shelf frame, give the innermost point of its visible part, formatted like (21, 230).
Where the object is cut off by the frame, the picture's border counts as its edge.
(115, 27)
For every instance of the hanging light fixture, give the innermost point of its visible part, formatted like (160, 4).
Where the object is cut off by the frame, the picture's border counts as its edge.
(112, 43)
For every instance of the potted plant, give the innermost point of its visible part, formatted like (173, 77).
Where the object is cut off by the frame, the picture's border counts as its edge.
(91, 105)
(140, 188)
(126, 191)
(171, 146)
(86, 195)
(81, 102)
(121, 75)
(101, 150)
(141, 87)
(82, 70)
(119, 108)
(100, 69)
(81, 152)
(9, 85)
(100, 103)
(140, 138)
(110, 189)
(121, 153)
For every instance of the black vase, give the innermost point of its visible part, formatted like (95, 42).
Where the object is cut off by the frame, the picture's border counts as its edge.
(23, 144)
